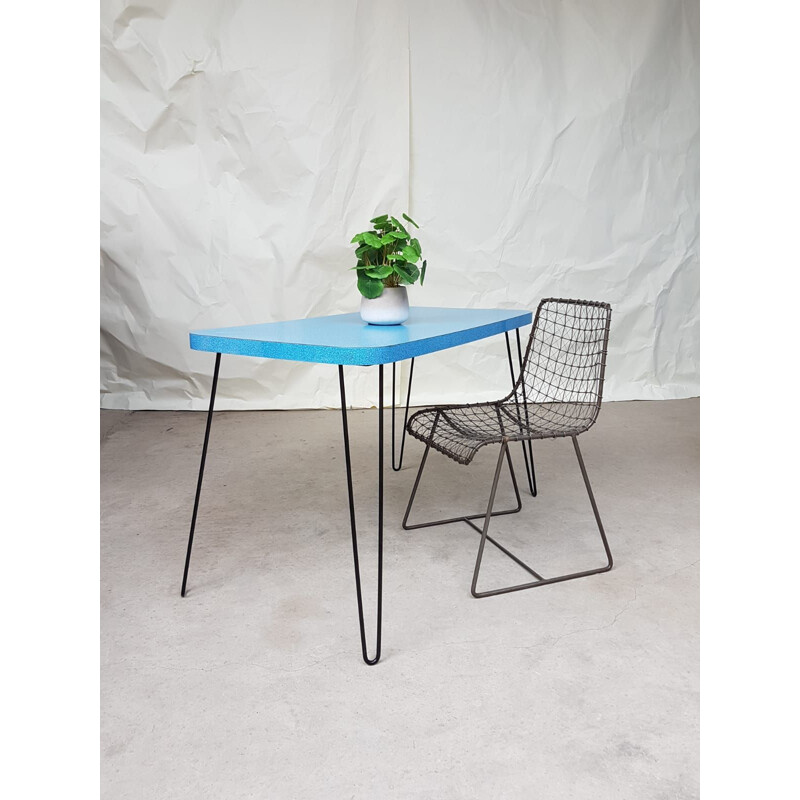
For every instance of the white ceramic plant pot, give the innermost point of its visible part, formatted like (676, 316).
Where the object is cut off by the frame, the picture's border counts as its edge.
(390, 307)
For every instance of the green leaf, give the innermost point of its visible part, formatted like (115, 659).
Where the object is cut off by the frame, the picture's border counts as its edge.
(382, 271)
(395, 257)
(399, 226)
(369, 287)
(410, 254)
(397, 235)
(380, 219)
(363, 249)
(359, 237)
(422, 273)
(372, 240)
(399, 268)
(407, 218)
(415, 245)
(408, 272)
(387, 239)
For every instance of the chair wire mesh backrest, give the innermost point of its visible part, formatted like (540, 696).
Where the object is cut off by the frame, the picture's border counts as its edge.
(566, 357)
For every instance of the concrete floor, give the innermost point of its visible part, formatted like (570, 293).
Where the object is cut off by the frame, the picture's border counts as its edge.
(253, 685)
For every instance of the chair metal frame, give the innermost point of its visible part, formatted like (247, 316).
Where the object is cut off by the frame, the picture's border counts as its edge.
(527, 432)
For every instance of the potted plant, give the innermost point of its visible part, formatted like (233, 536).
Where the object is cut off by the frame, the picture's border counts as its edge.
(387, 262)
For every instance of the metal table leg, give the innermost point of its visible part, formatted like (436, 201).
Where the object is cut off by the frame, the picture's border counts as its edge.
(200, 475)
(405, 419)
(527, 447)
(376, 658)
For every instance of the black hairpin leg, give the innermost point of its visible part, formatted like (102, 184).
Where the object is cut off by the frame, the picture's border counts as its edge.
(527, 447)
(367, 659)
(532, 472)
(405, 419)
(541, 581)
(200, 474)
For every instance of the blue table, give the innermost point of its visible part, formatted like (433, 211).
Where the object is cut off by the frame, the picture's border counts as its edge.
(344, 339)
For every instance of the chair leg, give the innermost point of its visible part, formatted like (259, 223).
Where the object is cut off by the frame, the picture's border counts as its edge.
(488, 517)
(467, 518)
(541, 581)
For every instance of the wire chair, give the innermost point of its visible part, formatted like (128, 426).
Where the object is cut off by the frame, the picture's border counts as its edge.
(557, 394)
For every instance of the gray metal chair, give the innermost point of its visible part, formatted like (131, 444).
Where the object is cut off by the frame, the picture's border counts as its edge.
(557, 394)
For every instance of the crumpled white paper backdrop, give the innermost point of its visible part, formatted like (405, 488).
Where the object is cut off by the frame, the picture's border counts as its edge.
(547, 148)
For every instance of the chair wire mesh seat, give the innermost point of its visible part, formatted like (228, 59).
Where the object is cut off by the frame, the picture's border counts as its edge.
(557, 394)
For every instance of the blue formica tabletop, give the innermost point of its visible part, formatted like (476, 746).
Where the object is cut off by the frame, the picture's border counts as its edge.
(347, 339)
